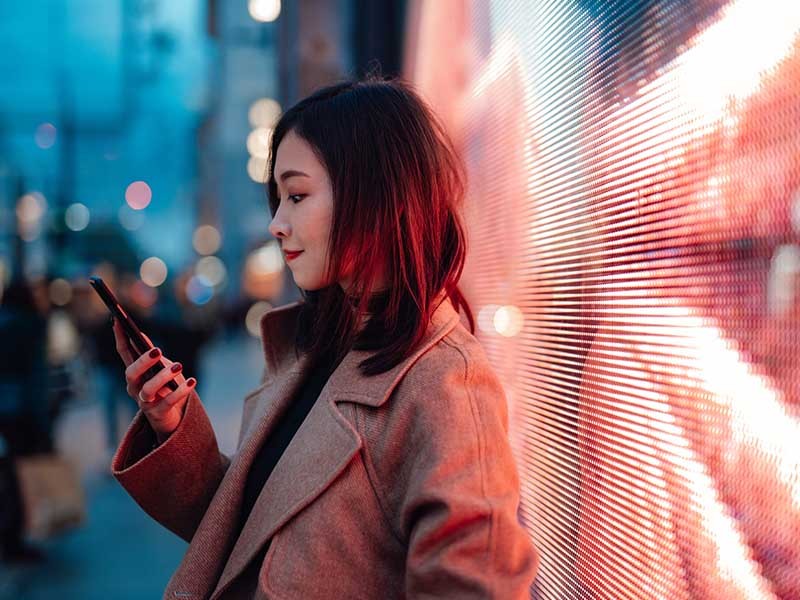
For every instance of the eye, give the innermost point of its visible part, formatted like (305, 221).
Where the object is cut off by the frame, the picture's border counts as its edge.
(295, 198)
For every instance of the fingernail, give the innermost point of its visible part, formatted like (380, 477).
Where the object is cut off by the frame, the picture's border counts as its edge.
(176, 367)
(190, 382)
(154, 353)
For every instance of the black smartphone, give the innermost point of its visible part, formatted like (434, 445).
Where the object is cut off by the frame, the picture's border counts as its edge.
(138, 342)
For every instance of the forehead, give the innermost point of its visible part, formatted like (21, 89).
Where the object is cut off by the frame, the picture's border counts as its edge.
(295, 154)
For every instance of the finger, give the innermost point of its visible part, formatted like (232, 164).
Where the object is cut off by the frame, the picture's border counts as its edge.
(181, 394)
(135, 371)
(161, 408)
(166, 390)
(160, 379)
(123, 346)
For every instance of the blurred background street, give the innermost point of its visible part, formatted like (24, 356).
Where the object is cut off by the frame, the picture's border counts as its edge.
(633, 218)
(121, 551)
(133, 146)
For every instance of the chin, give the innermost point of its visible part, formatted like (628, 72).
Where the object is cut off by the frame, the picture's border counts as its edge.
(309, 286)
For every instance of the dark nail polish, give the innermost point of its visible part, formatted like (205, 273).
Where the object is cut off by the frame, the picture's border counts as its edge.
(176, 367)
(190, 382)
(154, 353)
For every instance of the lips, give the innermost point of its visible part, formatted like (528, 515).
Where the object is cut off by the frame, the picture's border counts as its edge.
(291, 255)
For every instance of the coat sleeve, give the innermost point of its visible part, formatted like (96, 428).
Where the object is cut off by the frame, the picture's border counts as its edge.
(173, 483)
(450, 484)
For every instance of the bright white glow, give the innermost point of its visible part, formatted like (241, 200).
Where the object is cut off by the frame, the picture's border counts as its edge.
(758, 416)
(206, 239)
(77, 216)
(138, 195)
(784, 275)
(708, 83)
(698, 88)
(508, 321)
(501, 57)
(257, 169)
(253, 319)
(264, 112)
(265, 260)
(733, 563)
(264, 11)
(153, 271)
(258, 142)
(212, 269)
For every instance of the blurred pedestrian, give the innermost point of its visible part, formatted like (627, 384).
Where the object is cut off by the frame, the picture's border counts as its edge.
(25, 415)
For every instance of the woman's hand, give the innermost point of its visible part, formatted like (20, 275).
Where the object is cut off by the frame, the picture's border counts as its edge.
(162, 406)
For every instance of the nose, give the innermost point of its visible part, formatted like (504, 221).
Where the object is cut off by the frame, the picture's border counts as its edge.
(279, 227)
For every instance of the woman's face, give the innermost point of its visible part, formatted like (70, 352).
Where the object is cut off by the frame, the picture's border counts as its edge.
(305, 213)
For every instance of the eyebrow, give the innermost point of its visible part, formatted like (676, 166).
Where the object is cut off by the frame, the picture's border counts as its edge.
(291, 173)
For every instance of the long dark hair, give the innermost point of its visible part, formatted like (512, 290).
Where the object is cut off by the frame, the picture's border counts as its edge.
(398, 188)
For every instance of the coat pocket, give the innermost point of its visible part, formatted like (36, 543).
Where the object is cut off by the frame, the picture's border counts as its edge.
(264, 576)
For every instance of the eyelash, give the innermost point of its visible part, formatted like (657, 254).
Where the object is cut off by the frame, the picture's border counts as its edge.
(300, 196)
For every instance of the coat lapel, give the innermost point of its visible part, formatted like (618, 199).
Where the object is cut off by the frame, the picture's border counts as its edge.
(320, 450)
(324, 444)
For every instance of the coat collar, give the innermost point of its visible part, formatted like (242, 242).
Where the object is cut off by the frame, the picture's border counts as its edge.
(326, 441)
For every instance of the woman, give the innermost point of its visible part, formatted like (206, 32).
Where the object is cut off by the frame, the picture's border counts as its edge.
(373, 459)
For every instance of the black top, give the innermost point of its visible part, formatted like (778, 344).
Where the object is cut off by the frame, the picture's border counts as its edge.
(284, 431)
(288, 424)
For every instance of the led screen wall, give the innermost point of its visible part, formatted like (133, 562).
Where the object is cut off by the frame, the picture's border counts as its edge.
(634, 217)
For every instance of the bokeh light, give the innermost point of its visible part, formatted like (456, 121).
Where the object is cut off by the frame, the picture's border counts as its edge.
(130, 219)
(264, 112)
(77, 216)
(60, 291)
(45, 136)
(198, 290)
(263, 272)
(508, 320)
(264, 11)
(142, 294)
(211, 269)
(31, 207)
(153, 271)
(266, 259)
(258, 142)
(138, 195)
(64, 341)
(253, 318)
(257, 169)
(206, 239)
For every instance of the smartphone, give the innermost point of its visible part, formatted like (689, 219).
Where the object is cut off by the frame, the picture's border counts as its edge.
(139, 343)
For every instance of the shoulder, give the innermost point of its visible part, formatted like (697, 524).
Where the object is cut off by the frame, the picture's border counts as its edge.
(450, 395)
(452, 367)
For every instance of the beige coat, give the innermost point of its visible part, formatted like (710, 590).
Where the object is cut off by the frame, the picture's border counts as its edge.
(400, 485)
